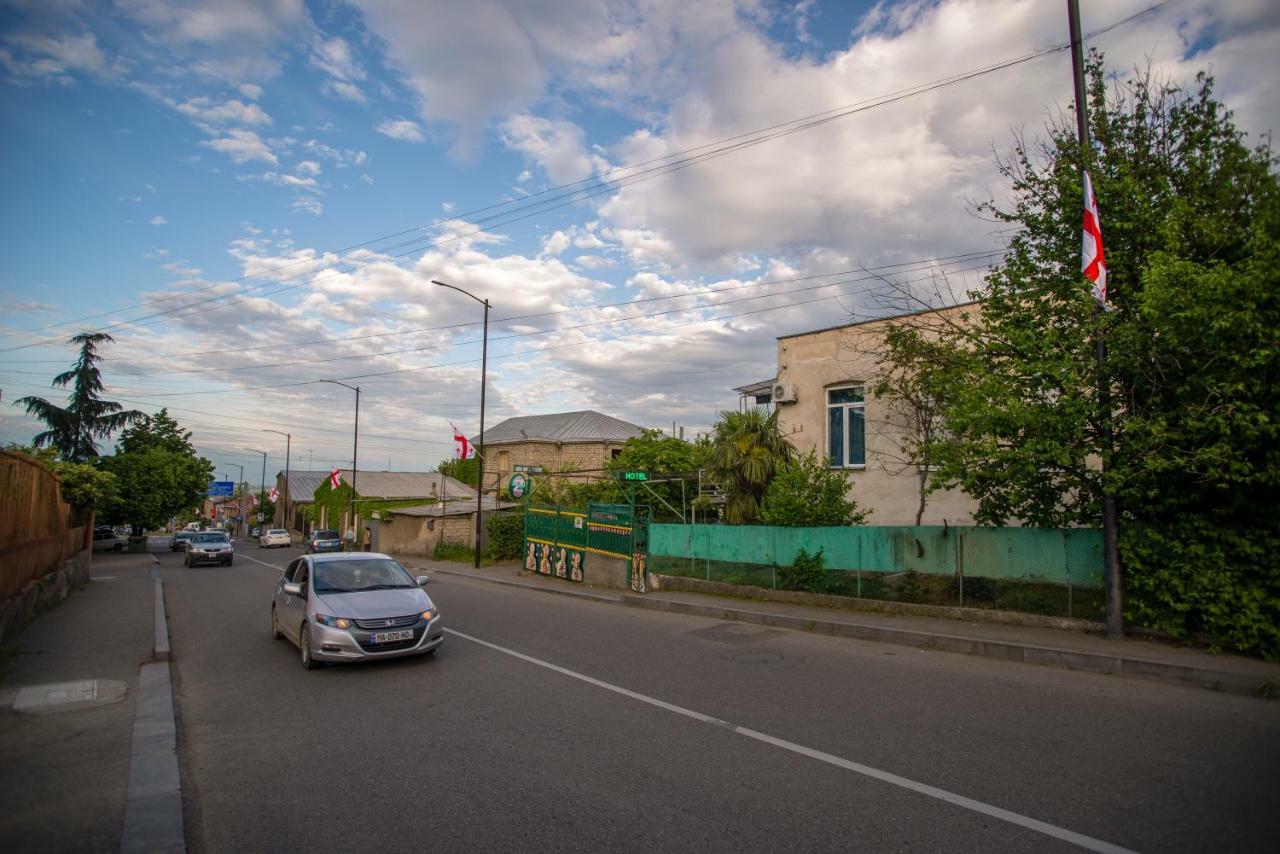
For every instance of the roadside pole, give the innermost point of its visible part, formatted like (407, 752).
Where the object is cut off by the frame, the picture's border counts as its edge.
(1110, 553)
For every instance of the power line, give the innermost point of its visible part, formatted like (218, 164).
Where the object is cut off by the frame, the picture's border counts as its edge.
(672, 163)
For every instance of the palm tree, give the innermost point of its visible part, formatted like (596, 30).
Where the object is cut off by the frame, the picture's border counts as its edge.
(747, 451)
(74, 428)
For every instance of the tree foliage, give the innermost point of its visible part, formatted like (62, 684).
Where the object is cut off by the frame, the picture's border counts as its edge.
(747, 452)
(74, 429)
(1189, 223)
(808, 493)
(157, 471)
(84, 486)
(664, 456)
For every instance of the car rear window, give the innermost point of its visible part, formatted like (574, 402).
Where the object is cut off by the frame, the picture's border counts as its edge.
(326, 535)
(277, 531)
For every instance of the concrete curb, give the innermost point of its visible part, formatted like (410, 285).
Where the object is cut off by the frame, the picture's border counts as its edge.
(1092, 662)
(153, 807)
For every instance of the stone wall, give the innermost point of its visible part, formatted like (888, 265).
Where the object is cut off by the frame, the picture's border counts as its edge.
(43, 593)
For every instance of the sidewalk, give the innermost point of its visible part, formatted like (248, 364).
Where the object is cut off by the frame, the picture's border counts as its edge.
(1073, 650)
(66, 750)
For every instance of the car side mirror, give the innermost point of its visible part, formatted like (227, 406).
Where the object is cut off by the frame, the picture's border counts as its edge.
(423, 579)
(292, 588)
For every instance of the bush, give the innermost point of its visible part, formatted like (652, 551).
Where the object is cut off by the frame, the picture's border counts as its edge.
(838, 583)
(506, 536)
(910, 589)
(976, 589)
(807, 493)
(454, 552)
(805, 573)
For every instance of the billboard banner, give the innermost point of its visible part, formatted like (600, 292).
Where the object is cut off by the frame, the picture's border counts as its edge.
(221, 488)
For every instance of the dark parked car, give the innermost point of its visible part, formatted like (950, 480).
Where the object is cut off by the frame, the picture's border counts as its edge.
(324, 541)
(178, 542)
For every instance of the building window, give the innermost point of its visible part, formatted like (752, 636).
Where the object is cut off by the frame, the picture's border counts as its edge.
(846, 427)
(615, 453)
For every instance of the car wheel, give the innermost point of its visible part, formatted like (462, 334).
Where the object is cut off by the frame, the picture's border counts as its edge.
(229, 562)
(304, 646)
(276, 634)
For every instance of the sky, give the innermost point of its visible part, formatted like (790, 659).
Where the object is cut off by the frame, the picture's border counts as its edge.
(251, 196)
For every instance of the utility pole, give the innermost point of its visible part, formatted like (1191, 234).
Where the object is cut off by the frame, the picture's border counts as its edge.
(262, 492)
(355, 454)
(1110, 553)
(282, 504)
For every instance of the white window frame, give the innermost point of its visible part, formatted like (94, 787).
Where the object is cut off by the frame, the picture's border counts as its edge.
(826, 425)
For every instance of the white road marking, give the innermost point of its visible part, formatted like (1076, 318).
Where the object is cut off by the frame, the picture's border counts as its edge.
(1078, 839)
(263, 562)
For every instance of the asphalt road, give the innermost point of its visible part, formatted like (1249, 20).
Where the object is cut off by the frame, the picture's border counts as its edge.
(768, 739)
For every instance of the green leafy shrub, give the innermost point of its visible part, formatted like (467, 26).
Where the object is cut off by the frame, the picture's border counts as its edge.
(910, 588)
(453, 552)
(837, 583)
(807, 493)
(506, 535)
(805, 573)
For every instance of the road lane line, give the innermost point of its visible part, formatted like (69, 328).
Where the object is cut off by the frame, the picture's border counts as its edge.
(263, 562)
(1078, 839)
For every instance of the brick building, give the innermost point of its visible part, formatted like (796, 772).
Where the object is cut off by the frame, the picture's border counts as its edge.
(567, 441)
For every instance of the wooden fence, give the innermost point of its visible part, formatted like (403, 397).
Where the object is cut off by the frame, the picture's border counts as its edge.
(38, 530)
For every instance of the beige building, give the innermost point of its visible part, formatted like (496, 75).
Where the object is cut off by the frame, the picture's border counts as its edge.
(822, 394)
(567, 441)
(418, 530)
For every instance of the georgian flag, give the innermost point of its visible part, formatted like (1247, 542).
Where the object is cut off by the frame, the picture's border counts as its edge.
(462, 449)
(335, 479)
(273, 495)
(253, 500)
(1092, 261)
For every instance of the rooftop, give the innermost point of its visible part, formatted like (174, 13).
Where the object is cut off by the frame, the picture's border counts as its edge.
(585, 426)
(382, 484)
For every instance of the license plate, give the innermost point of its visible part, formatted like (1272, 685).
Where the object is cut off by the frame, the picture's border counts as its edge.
(390, 637)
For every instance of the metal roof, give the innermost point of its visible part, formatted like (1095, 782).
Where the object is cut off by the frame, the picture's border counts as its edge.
(381, 484)
(762, 387)
(585, 426)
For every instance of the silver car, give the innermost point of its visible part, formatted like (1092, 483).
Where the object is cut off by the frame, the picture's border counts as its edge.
(354, 607)
(210, 547)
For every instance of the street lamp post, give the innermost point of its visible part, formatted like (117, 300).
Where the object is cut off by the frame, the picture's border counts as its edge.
(284, 499)
(355, 453)
(484, 369)
(262, 489)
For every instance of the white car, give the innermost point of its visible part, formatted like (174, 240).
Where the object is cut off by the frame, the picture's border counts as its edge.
(274, 537)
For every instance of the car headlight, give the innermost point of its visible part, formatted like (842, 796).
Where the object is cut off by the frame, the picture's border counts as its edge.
(336, 622)
(429, 613)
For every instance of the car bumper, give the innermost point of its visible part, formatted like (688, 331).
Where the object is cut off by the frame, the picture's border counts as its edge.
(222, 557)
(330, 644)
(319, 549)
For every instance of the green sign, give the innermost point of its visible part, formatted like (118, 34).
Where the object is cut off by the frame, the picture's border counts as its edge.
(519, 485)
(635, 475)
(527, 469)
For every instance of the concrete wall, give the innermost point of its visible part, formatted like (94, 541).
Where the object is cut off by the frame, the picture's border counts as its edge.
(885, 486)
(605, 571)
(419, 535)
(43, 593)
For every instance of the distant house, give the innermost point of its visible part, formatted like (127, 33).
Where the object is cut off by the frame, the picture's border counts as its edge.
(824, 400)
(418, 530)
(370, 485)
(566, 441)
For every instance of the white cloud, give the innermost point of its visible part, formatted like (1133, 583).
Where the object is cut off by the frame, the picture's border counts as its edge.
(242, 146)
(401, 129)
(36, 56)
(158, 220)
(555, 145)
(340, 157)
(252, 91)
(334, 58)
(307, 167)
(202, 110)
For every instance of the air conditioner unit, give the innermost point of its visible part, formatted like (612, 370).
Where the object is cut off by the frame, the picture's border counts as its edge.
(784, 393)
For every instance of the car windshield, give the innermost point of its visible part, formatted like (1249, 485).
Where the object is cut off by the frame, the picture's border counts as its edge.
(210, 537)
(353, 576)
(325, 535)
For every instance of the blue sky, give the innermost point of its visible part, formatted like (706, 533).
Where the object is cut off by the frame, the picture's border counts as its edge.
(226, 155)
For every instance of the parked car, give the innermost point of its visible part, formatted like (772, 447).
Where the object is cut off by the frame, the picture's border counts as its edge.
(255, 533)
(210, 547)
(178, 542)
(324, 541)
(354, 607)
(274, 537)
(106, 540)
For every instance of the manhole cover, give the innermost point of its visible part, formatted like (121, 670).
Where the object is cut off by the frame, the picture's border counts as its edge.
(64, 696)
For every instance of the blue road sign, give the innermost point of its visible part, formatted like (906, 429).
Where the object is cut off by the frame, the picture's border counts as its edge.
(221, 489)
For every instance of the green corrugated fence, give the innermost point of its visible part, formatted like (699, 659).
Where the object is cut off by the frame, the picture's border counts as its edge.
(1052, 555)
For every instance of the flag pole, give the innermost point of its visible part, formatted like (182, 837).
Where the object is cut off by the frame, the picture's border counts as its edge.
(1110, 553)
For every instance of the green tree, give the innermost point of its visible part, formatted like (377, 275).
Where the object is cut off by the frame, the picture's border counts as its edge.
(463, 471)
(808, 493)
(747, 452)
(84, 487)
(157, 471)
(1188, 221)
(662, 455)
(74, 429)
